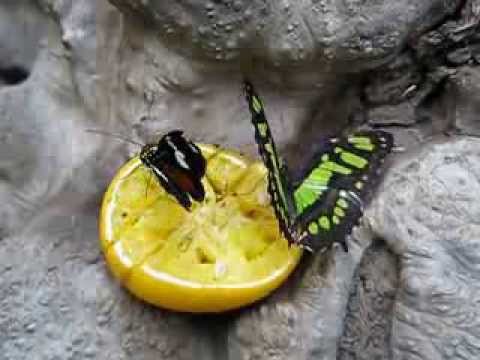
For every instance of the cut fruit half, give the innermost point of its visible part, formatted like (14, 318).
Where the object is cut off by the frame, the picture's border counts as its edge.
(225, 253)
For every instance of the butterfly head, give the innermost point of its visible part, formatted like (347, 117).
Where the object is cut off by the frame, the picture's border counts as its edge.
(147, 152)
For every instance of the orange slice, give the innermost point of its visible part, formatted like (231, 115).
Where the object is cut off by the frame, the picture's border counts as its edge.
(225, 253)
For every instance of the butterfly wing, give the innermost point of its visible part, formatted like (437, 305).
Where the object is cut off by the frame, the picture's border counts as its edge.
(186, 164)
(185, 182)
(278, 183)
(187, 154)
(168, 183)
(332, 192)
(328, 200)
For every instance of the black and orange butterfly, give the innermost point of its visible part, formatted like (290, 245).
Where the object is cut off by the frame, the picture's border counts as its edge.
(178, 165)
(176, 162)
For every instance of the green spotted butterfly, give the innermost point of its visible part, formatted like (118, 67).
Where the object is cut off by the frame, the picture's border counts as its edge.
(326, 201)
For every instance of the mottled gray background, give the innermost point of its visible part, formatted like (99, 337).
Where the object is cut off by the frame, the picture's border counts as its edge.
(410, 286)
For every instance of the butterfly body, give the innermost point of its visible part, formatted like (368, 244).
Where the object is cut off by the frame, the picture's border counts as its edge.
(326, 201)
(178, 165)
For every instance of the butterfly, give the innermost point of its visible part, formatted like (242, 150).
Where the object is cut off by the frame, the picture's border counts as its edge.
(177, 164)
(326, 201)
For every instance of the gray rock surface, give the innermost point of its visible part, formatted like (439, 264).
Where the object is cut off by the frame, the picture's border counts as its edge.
(432, 223)
(410, 286)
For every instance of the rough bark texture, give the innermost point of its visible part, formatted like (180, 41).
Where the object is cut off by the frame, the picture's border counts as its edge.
(410, 286)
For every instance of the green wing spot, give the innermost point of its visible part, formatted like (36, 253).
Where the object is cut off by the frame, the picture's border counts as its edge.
(362, 143)
(334, 167)
(354, 160)
(283, 215)
(311, 189)
(299, 201)
(275, 170)
(275, 196)
(359, 185)
(339, 211)
(257, 104)
(317, 186)
(269, 149)
(335, 219)
(364, 146)
(359, 140)
(317, 180)
(338, 150)
(342, 203)
(313, 228)
(272, 185)
(324, 222)
(304, 197)
(325, 157)
(280, 190)
(322, 176)
(262, 129)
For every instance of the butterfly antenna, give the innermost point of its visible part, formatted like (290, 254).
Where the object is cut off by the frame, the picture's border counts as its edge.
(116, 136)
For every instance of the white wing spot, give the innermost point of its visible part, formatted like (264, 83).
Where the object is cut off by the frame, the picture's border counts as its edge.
(161, 174)
(180, 157)
(193, 148)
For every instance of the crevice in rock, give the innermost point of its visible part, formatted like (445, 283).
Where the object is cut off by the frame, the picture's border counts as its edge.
(13, 75)
(368, 321)
(459, 10)
(425, 107)
(409, 91)
(3, 233)
(5, 175)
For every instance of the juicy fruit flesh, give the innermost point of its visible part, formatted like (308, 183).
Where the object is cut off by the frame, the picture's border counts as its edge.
(231, 240)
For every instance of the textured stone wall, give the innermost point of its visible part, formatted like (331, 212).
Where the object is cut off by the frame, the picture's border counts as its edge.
(410, 286)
